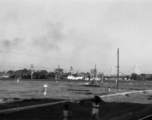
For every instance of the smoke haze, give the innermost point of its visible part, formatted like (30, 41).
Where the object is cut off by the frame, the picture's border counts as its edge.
(76, 33)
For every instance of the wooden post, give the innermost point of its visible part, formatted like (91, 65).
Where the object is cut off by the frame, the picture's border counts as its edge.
(118, 70)
(58, 73)
(31, 71)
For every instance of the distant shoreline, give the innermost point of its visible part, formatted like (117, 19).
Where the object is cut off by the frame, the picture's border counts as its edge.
(30, 79)
(50, 79)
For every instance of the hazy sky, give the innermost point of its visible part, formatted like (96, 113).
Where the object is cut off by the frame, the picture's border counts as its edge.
(78, 33)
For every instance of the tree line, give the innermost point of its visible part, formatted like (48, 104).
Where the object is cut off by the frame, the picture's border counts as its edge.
(27, 73)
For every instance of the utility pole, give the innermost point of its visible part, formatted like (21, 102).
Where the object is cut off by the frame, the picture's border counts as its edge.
(95, 72)
(31, 71)
(117, 69)
(58, 72)
(71, 70)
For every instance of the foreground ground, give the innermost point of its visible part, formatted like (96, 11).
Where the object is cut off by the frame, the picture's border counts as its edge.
(120, 107)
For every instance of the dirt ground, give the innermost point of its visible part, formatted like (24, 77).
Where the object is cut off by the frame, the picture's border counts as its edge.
(120, 107)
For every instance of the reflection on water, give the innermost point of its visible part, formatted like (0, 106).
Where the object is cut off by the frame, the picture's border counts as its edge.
(26, 89)
(22, 89)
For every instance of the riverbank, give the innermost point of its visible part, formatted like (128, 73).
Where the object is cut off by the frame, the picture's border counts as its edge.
(81, 110)
(127, 107)
(26, 93)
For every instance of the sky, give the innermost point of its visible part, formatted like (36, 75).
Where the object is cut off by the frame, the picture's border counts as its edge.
(77, 33)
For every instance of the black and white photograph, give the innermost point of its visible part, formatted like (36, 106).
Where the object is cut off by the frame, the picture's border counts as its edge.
(75, 60)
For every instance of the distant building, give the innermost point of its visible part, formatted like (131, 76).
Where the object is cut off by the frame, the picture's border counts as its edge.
(93, 72)
(58, 73)
(58, 70)
(5, 75)
(146, 76)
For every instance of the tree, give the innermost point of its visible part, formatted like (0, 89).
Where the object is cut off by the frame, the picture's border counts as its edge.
(41, 74)
(127, 76)
(51, 74)
(134, 76)
(13, 76)
(10, 72)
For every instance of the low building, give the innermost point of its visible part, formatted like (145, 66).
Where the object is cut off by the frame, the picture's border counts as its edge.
(5, 75)
(146, 76)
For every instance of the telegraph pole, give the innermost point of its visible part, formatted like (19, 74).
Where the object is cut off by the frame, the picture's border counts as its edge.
(31, 71)
(95, 72)
(71, 70)
(117, 69)
(58, 73)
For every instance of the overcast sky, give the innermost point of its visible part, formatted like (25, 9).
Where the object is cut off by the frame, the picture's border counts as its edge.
(78, 33)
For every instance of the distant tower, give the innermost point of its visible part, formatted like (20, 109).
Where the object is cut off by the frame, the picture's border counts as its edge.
(113, 71)
(71, 70)
(137, 69)
(31, 71)
(58, 73)
(94, 72)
